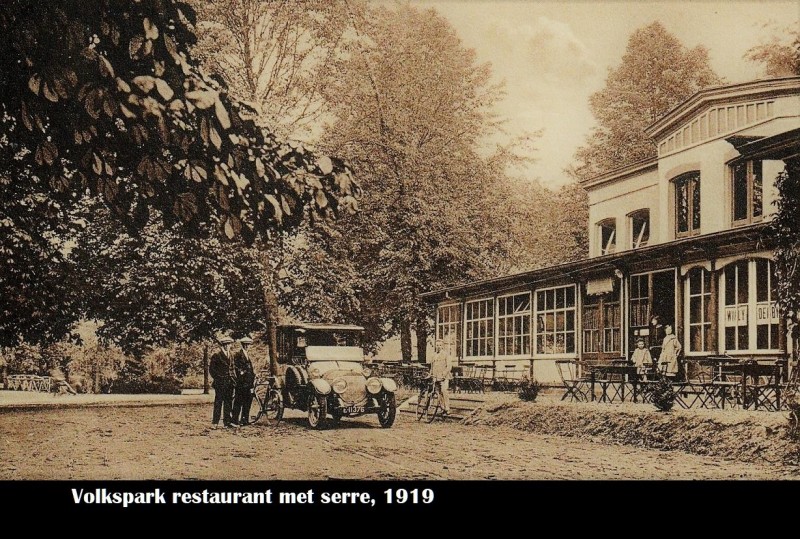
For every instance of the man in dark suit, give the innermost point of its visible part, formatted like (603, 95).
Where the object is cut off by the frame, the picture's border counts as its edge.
(222, 369)
(245, 377)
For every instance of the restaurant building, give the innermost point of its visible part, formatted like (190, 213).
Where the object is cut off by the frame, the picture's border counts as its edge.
(677, 240)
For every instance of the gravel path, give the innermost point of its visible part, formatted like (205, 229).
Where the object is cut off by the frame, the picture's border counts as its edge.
(175, 442)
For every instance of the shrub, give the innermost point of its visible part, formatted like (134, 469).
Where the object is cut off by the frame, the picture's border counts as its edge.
(529, 390)
(662, 394)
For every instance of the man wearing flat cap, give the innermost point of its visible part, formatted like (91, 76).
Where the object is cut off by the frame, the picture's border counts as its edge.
(222, 369)
(245, 377)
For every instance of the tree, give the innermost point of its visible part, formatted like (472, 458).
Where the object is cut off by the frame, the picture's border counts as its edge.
(784, 232)
(277, 55)
(411, 108)
(105, 97)
(656, 74)
(158, 287)
(780, 56)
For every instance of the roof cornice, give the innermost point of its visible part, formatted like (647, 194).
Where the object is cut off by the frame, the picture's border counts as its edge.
(707, 96)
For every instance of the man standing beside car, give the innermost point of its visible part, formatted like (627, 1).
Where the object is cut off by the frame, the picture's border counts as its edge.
(440, 372)
(245, 377)
(222, 369)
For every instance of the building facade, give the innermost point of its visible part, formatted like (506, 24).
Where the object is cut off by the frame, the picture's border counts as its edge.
(676, 241)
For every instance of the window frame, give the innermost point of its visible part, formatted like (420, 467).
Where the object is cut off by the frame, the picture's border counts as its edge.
(512, 317)
(575, 324)
(489, 337)
(611, 223)
(454, 326)
(750, 191)
(705, 298)
(752, 305)
(636, 238)
(692, 178)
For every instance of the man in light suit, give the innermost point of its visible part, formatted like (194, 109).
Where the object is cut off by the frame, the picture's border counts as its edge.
(440, 372)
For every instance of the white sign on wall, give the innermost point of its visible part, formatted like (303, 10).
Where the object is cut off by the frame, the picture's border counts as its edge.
(736, 315)
(767, 313)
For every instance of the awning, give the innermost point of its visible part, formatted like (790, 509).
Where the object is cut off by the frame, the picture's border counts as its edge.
(596, 287)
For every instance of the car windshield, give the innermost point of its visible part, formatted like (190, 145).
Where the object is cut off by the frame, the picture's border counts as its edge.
(335, 353)
(333, 338)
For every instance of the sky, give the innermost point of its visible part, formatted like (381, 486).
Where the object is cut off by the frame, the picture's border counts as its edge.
(554, 55)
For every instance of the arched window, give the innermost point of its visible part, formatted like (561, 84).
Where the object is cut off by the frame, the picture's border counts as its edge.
(640, 228)
(747, 191)
(687, 204)
(750, 315)
(607, 235)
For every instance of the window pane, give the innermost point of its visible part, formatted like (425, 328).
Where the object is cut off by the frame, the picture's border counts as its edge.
(540, 301)
(762, 280)
(743, 269)
(730, 284)
(730, 338)
(762, 336)
(695, 338)
(696, 204)
(740, 191)
(743, 340)
(570, 343)
(695, 309)
(694, 281)
(757, 190)
(682, 201)
(570, 296)
(570, 320)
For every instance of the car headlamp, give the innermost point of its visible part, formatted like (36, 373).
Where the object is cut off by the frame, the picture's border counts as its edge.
(367, 372)
(339, 385)
(314, 373)
(374, 385)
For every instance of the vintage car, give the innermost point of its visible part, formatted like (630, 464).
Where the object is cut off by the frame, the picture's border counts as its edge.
(322, 372)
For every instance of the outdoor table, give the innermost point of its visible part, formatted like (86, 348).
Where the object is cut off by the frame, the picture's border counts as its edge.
(612, 379)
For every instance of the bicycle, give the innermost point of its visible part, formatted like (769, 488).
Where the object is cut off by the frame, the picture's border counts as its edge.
(267, 400)
(429, 403)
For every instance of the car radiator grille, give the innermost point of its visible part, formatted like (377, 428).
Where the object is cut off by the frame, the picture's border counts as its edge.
(356, 391)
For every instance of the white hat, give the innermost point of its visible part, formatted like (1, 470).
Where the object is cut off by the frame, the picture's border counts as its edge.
(225, 340)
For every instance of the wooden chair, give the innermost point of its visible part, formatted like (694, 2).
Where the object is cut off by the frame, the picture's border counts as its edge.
(575, 387)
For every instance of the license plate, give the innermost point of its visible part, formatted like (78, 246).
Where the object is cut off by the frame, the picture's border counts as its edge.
(353, 410)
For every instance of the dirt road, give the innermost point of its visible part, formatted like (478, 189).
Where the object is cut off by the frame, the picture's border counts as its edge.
(175, 442)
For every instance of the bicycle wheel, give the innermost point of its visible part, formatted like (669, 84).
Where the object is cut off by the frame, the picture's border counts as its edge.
(273, 407)
(422, 404)
(434, 407)
(257, 410)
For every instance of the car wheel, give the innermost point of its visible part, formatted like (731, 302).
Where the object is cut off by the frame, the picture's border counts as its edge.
(388, 410)
(317, 410)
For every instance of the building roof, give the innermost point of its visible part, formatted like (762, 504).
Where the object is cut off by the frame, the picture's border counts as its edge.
(685, 250)
(691, 107)
(621, 172)
(785, 145)
(744, 90)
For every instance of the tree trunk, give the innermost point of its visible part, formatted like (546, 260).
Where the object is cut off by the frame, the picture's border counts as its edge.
(205, 369)
(405, 340)
(271, 309)
(422, 340)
